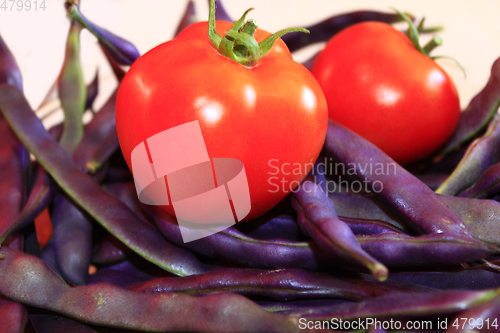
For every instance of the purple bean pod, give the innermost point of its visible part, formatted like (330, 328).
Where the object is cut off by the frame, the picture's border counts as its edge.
(80, 187)
(480, 155)
(111, 306)
(48, 256)
(110, 250)
(14, 158)
(481, 216)
(221, 13)
(118, 71)
(124, 52)
(13, 316)
(72, 234)
(9, 70)
(364, 227)
(478, 113)
(318, 219)
(470, 279)
(326, 29)
(187, 19)
(40, 197)
(432, 180)
(280, 284)
(402, 304)
(95, 131)
(487, 186)
(393, 250)
(402, 191)
(102, 153)
(478, 319)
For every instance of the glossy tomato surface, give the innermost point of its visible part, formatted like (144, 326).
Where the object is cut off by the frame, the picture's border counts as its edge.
(272, 116)
(378, 85)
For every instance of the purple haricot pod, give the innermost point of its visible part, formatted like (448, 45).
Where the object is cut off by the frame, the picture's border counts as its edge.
(480, 155)
(115, 307)
(487, 186)
(9, 70)
(272, 226)
(188, 18)
(366, 227)
(471, 279)
(393, 250)
(482, 318)
(41, 194)
(109, 251)
(402, 191)
(124, 52)
(481, 216)
(220, 12)
(95, 131)
(324, 30)
(318, 219)
(108, 146)
(72, 240)
(479, 112)
(280, 284)
(403, 305)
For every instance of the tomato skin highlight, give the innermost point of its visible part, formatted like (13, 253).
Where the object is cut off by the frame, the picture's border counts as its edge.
(378, 85)
(267, 116)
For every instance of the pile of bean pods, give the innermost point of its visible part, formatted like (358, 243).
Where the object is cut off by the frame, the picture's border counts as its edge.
(424, 247)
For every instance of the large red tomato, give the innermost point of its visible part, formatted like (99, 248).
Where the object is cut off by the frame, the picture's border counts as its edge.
(378, 85)
(271, 116)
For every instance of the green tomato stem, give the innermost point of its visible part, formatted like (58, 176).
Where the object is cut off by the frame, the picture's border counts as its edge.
(238, 43)
(432, 44)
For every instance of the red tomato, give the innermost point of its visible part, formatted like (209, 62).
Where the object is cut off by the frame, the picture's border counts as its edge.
(272, 115)
(378, 85)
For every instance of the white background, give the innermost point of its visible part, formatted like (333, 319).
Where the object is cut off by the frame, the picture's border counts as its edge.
(37, 38)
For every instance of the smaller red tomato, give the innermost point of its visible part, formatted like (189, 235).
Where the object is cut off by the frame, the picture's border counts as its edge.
(378, 85)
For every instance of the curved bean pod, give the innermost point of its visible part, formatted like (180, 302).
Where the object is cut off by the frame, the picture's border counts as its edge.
(72, 234)
(112, 306)
(401, 304)
(478, 319)
(324, 30)
(124, 52)
(487, 185)
(480, 155)
(481, 216)
(478, 113)
(110, 250)
(188, 18)
(281, 284)
(40, 196)
(393, 250)
(402, 191)
(471, 279)
(80, 187)
(9, 70)
(318, 219)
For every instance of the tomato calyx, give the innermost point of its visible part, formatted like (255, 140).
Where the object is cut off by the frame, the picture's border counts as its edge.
(413, 34)
(238, 44)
